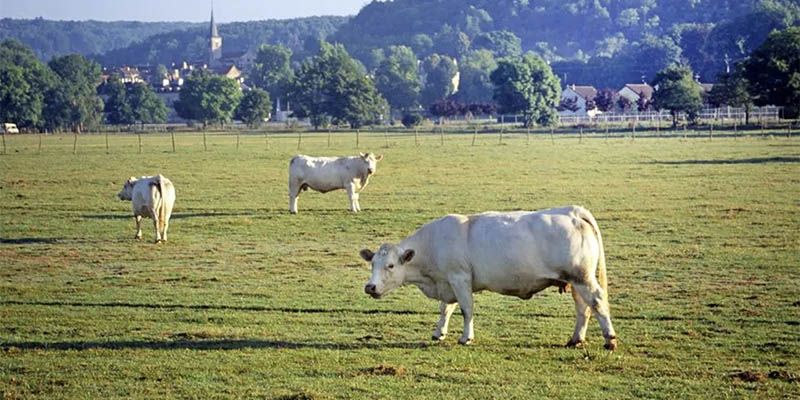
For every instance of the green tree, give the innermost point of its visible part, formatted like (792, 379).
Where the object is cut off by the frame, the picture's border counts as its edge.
(208, 98)
(439, 73)
(527, 86)
(732, 89)
(272, 70)
(24, 81)
(254, 108)
(73, 102)
(333, 86)
(117, 107)
(146, 106)
(500, 43)
(677, 92)
(475, 84)
(773, 71)
(397, 78)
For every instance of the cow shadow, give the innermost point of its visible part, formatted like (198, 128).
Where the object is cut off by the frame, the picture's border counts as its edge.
(217, 307)
(760, 160)
(178, 215)
(30, 240)
(222, 344)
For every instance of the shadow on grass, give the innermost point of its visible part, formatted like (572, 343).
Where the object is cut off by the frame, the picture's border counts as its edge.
(180, 215)
(30, 241)
(290, 310)
(762, 160)
(225, 344)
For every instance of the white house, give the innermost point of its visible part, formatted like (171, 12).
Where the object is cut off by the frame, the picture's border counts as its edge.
(580, 95)
(633, 91)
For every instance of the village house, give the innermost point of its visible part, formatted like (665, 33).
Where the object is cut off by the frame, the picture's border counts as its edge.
(578, 98)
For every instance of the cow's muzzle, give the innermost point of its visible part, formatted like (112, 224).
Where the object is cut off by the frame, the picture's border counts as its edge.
(370, 289)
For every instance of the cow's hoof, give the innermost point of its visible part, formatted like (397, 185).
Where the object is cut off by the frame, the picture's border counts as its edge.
(576, 344)
(137, 238)
(465, 342)
(611, 344)
(438, 338)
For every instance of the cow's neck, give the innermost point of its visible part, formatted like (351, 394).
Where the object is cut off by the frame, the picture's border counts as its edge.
(415, 276)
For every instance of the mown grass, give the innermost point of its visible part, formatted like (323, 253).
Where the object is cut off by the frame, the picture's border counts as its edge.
(247, 300)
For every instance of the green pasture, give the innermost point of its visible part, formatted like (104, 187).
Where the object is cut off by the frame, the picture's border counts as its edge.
(248, 301)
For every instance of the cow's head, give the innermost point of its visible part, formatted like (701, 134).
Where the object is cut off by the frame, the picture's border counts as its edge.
(371, 161)
(389, 266)
(127, 190)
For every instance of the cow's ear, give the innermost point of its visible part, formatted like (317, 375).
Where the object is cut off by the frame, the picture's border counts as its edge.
(378, 158)
(406, 256)
(362, 155)
(367, 254)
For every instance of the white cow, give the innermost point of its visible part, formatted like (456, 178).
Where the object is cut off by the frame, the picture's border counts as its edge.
(514, 253)
(325, 174)
(151, 197)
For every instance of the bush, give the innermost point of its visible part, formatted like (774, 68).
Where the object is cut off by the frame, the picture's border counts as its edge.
(411, 120)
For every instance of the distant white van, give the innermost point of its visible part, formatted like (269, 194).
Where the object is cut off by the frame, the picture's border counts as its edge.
(9, 128)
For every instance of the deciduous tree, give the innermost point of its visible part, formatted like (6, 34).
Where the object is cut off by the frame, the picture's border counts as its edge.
(527, 86)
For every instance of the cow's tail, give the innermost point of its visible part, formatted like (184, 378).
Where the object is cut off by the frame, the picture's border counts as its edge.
(161, 208)
(587, 216)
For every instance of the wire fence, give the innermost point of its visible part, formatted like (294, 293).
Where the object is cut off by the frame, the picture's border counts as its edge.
(374, 137)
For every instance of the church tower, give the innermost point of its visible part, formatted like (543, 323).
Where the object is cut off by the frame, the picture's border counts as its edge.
(215, 42)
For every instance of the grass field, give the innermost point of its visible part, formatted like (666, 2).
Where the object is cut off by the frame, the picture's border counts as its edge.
(248, 301)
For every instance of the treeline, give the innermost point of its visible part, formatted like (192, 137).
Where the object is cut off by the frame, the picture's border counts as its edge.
(49, 39)
(598, 42)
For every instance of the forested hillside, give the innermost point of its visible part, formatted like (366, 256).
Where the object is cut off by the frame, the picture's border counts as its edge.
(55, 38)
(118, 43)
(192, 44)
(603, 42)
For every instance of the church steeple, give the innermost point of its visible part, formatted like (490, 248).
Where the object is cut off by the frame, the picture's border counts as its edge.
(215, 42)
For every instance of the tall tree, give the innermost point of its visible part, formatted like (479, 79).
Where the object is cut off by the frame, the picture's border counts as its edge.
(773, 71)
(475, 85)
(145, 104)
(731, 89)
(500, 43)
(208, 98)
(333, 86)
(604, 100)
(73, 102)
(397, 78)
(527, 86)
(677, 92)
(24, 80)
(272, 70)
(117, 107)
(254, 107)
(439, 73)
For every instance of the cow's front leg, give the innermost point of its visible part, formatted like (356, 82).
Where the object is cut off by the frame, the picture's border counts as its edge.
(353, 196)
(138, 219)
(294, 192)
(445, 311)
(462, 287)
(582, 315)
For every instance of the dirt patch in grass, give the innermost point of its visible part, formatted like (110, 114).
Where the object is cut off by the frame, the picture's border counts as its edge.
(750, 376)
(384, 370)
(784, 376)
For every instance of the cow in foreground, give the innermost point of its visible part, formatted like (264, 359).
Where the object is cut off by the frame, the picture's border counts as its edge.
(151, 197)
(325, 174)
(514, 253)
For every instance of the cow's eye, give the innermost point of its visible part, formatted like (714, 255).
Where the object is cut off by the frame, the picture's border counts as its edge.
(390, 266)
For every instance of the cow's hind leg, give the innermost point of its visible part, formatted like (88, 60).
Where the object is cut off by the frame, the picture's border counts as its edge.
(445, 311)
(138, 219)
(582, 315)
(156, 224)
(597, 300)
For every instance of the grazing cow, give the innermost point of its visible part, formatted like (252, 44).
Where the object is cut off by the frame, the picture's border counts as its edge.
(324, 174)
(514, 253)
(151, 197)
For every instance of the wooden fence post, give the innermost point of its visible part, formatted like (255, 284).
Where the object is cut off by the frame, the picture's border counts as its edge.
(75, 145)
(528, 135)
(205, 144)
(474, 134)
(441, 134)
(40, 143)
(416, 140)
(580, 136)
(710, 130)
(172, 136)
(552, 138)
(329, 136)
(358, 138)
(107, 149)
(237, 142)
(299, 138)
(266, 138)
(4, 141)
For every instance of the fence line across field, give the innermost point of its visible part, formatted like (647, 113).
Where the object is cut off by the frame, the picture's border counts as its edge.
(370, 139)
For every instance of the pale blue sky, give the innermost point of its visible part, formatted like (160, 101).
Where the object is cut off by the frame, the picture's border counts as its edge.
(175, 10)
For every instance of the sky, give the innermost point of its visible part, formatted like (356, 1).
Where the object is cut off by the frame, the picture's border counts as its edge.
(175, 10)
